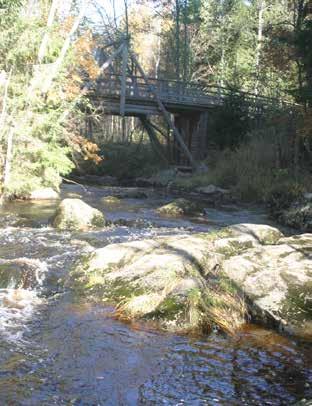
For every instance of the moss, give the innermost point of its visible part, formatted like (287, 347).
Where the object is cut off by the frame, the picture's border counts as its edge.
(193, 182)
(216, 234)
(227, 285)
(168, 309)
(179, 207)
(234, 247)
(120, 289)
(297, 305)
(98, 220)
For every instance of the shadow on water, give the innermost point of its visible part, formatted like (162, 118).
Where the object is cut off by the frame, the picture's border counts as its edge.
(58, 349)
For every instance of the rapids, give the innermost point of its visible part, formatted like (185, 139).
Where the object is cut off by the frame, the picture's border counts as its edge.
(57, 348)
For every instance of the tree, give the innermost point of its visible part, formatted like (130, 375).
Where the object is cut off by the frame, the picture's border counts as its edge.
(40, 126)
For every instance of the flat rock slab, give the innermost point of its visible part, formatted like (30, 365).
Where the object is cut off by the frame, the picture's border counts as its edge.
(192, 282)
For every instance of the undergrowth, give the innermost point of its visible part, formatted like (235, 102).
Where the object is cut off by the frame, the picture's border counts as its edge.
(251, 173)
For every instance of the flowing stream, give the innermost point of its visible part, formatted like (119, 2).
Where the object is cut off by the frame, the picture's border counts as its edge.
(57, 348)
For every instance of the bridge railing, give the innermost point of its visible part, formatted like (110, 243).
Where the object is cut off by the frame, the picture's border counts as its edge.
(168, 90)
(172, 91)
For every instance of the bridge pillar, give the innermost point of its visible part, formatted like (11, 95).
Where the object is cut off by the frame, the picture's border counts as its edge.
(193, 128)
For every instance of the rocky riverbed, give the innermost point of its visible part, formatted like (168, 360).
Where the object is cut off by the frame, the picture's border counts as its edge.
(62, 344)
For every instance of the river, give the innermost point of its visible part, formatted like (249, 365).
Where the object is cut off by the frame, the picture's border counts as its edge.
(58, 348)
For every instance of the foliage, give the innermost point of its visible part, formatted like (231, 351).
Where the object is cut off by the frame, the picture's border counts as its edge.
(231, 122)
(127, 160)
(251, 172)
(43, 123)
(283, 193)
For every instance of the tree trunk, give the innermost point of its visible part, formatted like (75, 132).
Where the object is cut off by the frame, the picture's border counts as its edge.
(45, 39)
(178, 73)
(8, 160)
(261, 8)
(58, 63)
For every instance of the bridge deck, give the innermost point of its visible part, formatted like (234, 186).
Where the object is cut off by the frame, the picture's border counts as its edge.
(176, 96)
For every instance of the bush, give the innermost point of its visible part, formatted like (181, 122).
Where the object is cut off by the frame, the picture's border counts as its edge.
(126, 161)
(250, 172)
(231, 122)
(283, 194)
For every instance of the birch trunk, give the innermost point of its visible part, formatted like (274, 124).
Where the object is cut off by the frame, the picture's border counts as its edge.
(57, 65)
(4, 104)
(45, 39)
(8, 160)
(261, 9)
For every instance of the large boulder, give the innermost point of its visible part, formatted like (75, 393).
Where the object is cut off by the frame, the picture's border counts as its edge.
(74, 214)
(179, 207)
(197, 281)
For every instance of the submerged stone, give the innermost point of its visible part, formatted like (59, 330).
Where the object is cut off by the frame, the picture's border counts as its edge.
(211, 190)
(21, 273)
(110, 200)
(132, 193)
(74, 214)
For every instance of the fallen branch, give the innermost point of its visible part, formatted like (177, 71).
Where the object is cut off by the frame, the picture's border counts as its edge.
(75, 183)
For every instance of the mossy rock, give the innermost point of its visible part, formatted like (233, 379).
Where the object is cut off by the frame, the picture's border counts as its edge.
(179, 207)
(297, 309)
(74, 214)
(163, 280)
(298, 217)
(111, 200)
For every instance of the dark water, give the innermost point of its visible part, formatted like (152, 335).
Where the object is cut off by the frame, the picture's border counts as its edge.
(58, 349)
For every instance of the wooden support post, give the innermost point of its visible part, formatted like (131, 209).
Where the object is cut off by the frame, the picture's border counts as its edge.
(153, 138)
(165, 113)
(123, 89)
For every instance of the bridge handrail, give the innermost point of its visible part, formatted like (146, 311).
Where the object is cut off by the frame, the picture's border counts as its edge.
(178, 89)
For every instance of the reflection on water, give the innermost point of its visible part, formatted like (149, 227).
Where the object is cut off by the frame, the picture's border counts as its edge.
(56, 349)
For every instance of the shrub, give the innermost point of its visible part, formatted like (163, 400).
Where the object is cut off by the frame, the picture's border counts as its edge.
(128, 160)
(231, 122)
(283, 194)
(250, 172)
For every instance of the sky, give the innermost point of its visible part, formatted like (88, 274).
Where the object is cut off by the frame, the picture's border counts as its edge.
(107, 9)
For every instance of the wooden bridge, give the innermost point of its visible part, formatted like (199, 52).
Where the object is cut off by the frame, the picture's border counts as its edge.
(176, 96)
(184, 106)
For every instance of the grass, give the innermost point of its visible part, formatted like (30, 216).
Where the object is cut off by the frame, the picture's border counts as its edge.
(126, 161)
(251, 173)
